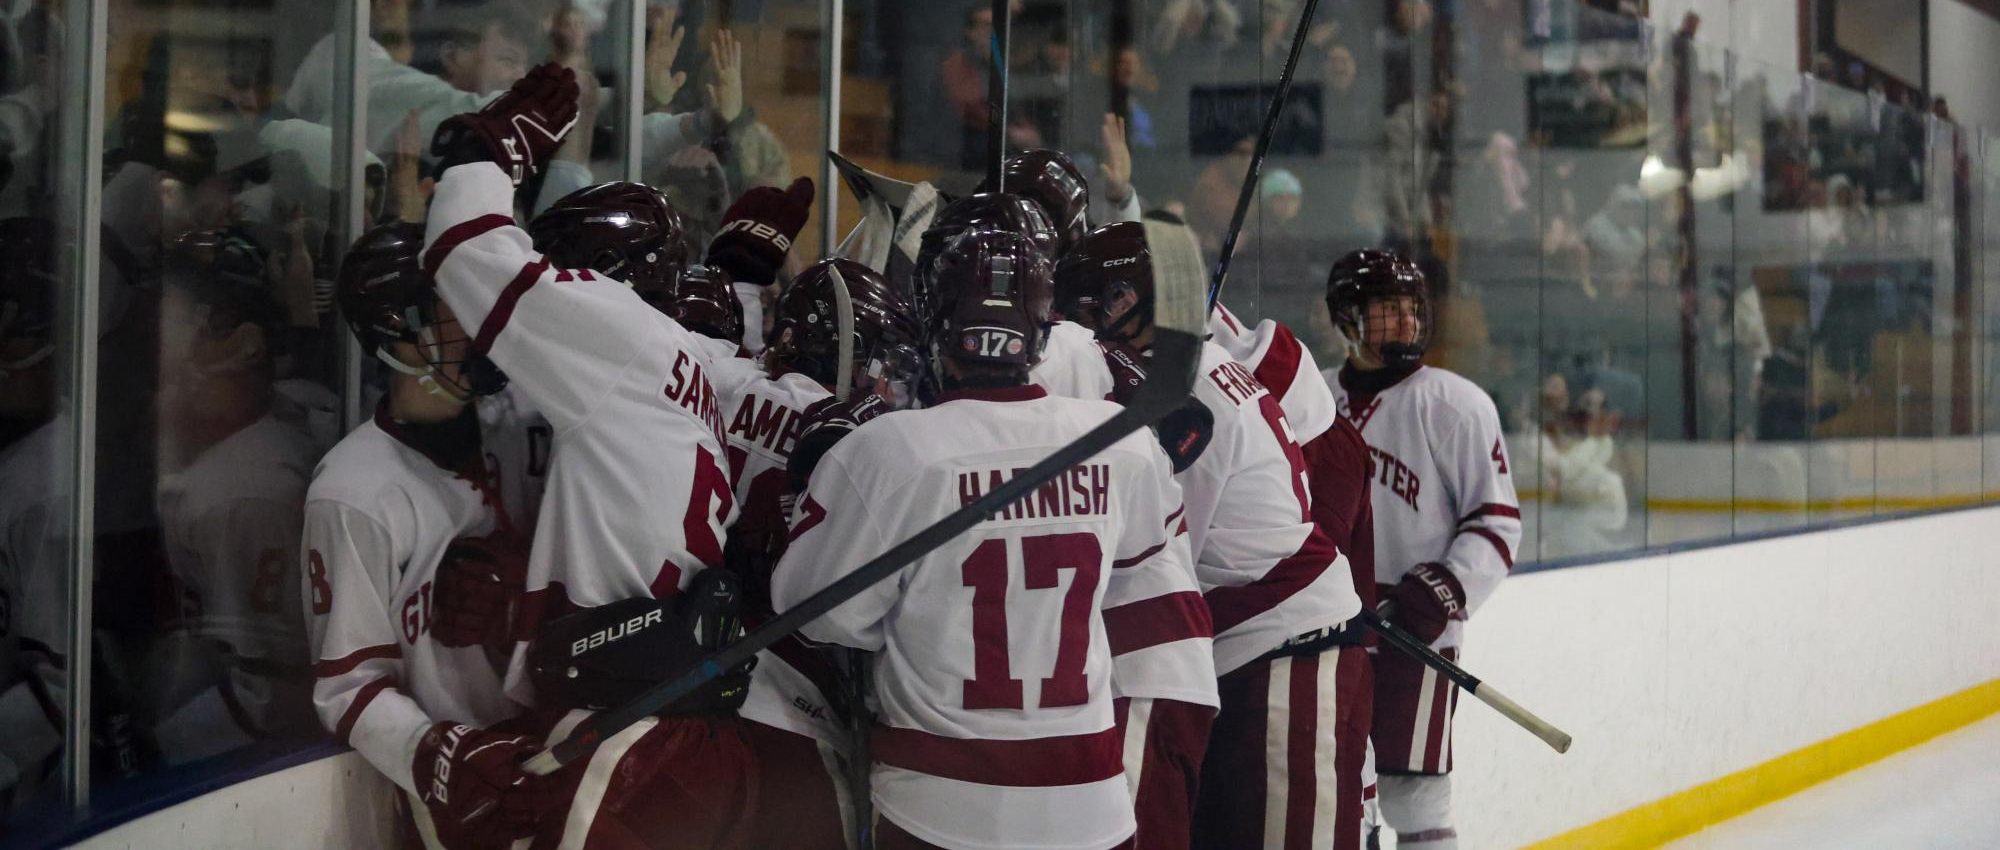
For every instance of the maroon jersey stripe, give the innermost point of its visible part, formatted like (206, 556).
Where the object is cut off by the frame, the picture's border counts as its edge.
(458, 234)
(1280, 364)
(1492, 509)
(1234, 606)
(503, 309)
(1026, 763)
(1505, 556)
(1161, 619)
(366, 695)
(327, 669)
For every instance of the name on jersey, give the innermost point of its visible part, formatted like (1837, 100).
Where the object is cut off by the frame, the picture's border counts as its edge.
(1235, 382)
(688, 385)
(766, 423)
(1084, 490)
(1391, 473)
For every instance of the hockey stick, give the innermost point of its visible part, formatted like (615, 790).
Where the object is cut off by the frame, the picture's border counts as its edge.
(1555, 738)
(1270, 129)
(1179, 325)
(996, 96)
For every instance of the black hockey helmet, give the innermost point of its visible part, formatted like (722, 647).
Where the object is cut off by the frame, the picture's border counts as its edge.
(1101, 264)
(705, 302)
(985, 211)
(994, 293)
(386, 298)
(626, 231)
(806, 328)
(1365, 288)
(1054, 183)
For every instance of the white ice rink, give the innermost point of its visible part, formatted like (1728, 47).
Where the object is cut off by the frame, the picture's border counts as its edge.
(1942, 794)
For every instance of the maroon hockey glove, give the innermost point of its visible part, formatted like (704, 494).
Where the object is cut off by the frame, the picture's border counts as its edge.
(472, 782)
(479, 585)
(758, 230)
(1183, 433)
(825, 422)
(1427, 599)
(519, 130)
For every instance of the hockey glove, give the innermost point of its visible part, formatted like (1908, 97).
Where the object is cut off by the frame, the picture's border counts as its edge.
(520, 130)
(1183, 433)
(1427, 599)
(826, 421)
(758, 230)
(472, 782)
(479, 586)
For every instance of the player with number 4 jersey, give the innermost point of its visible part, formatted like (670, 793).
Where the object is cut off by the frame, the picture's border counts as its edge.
(1446, 522)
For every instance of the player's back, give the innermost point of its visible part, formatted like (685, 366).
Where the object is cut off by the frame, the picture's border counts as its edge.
(993, 675)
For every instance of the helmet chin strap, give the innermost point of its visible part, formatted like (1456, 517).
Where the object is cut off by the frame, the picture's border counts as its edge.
(426, 376)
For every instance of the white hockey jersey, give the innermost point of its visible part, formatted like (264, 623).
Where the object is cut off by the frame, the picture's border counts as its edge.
(379, 516)
(764, 416)
(1283, 365)
(1267, 572)
(1072, 364)
(638, 498)
(994, 668)
(1443, 488)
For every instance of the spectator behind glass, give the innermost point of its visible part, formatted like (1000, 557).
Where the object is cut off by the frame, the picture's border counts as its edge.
(1583, 498)
(964, 77)
(233, 476)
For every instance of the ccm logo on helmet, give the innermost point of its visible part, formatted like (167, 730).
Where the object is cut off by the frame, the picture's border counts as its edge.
(622, 630)
(1120, 261)
(760, 230)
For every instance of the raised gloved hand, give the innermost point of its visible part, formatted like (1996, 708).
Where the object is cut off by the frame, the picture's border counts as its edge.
(1427, 599)
(520, 130)
(759, 229)
(479, 584)
(472, 782)
(824, 423)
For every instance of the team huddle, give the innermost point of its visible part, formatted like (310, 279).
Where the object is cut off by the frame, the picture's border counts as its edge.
(580, 483)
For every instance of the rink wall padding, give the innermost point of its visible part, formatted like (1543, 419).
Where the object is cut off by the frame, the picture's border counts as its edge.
(1701, 683)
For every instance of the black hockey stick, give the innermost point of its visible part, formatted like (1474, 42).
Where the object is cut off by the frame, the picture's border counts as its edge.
(1270, 129)
(996, 96)
(1179, 324)
(1408, 643)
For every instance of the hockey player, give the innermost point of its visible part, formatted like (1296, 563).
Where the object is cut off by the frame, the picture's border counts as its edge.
(995, 670)
(792, 698)
(638, 497)
(416, 536)
(1337, 467)
(1277, 588)
(1445, 517)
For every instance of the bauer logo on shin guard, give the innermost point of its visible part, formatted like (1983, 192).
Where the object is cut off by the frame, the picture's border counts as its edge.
(621, 630)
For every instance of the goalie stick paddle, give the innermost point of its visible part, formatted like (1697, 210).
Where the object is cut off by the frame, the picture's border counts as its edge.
(1179, 323)
(1557, 739)
(1256, 169)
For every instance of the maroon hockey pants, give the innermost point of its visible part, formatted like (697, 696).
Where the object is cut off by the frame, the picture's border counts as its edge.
(1164, 744)
(1285, 757)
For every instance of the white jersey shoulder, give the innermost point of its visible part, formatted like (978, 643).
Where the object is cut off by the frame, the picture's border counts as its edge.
(1072, 363)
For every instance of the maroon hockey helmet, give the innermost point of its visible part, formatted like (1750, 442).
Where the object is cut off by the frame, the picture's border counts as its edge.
(805, 335)
(994, 293)
(985, 211)
(1101, 264)
(1054, 183)
(626, 231)
(1368, 287)
(705, 302)
(386, 298)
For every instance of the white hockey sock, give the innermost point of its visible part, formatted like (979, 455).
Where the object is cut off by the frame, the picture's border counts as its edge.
(1418, 808)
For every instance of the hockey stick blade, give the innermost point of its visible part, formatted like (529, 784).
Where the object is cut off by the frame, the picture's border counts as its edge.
(1556, 738)
(1177, 344)
(1256, 168)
